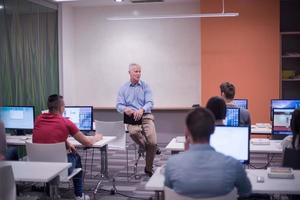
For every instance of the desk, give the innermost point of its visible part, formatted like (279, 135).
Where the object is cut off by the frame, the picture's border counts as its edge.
(273, 147)
(269, 186)
(102, 145)
(272, 185)
(44, 172)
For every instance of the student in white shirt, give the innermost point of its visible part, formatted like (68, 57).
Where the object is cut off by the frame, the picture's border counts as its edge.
(293, 141)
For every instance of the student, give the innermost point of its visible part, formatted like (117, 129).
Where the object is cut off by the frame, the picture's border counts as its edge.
(2, 142)
(52, 127)
(217, 106)
(293, 141)
(228, 93)
(6, 153)
(136, 102)
(201, 172)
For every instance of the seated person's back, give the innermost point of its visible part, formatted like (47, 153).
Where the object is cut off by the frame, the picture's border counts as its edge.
(202, 172)
(228, 93)
(293, 141)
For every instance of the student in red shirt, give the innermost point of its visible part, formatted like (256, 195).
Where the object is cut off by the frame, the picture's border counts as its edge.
(52, 127)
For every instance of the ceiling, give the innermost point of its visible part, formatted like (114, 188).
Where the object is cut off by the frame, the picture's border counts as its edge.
(112, 2)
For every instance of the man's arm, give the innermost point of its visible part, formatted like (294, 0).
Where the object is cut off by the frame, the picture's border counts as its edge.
(87, 140)
(121, 101)
(148, 99)
(167, 176)
(243, 184)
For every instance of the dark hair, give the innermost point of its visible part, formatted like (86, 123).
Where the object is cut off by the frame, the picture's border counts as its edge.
(54, 102)
(295, 127)
(217, 106)
(201, 123)
(228, 89)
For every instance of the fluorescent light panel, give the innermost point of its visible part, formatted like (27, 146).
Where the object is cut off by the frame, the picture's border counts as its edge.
(175, 16)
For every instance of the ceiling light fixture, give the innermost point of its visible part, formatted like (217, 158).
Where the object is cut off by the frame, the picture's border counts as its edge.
(178, 16)
(119, 1)
(1, 6)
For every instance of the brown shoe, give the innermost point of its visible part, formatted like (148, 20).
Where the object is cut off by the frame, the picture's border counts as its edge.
(149, 173)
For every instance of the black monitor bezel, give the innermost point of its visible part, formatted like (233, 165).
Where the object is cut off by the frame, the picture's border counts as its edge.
(249, 132)
(243, 100)
(239, 115)
(33, 112)
(92, 120)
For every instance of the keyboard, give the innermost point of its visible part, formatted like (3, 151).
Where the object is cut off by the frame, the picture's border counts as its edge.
(180, 139)
(260, 141)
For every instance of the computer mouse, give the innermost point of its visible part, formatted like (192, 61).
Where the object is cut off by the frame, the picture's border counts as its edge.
(260, 179)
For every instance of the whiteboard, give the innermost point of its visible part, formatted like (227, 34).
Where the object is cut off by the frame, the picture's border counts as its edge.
(96, 54)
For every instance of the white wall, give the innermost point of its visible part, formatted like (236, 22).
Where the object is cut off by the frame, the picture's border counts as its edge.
(96, 53)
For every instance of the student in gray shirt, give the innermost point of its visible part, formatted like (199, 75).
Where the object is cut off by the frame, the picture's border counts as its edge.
(201, 172)
(228, 93)
(2, 142)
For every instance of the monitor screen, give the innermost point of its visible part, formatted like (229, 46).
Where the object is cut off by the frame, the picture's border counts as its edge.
(241, 103)
(232, 117)
(281, 121)
(232, 141)
(82, 116)
(284, 103)
(17, 117)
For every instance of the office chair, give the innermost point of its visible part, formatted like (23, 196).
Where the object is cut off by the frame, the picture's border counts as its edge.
(8, 189)
(50, 153)
(291, 158)
(7, 184)
(172, 195)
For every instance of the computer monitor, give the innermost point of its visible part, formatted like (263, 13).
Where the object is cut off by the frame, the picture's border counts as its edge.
(82, 116)
(232, 141)
(283, 103)
(17, 118)
(241, 103)
(281, 122)
(232, 117)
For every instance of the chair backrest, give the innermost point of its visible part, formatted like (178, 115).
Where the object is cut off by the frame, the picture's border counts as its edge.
(115, 128)
(7, 184)
(291, 158)
(55, 152)
(172, 195)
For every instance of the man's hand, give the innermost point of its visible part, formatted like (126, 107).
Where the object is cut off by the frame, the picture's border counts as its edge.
(70, 147)
(138, 114)
(128, 111)
(98, 136)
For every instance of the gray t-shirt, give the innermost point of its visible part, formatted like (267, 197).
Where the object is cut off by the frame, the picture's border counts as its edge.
(245, 119)
(2, 139)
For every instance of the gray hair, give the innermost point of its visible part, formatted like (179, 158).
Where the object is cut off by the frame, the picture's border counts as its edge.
(132, 65)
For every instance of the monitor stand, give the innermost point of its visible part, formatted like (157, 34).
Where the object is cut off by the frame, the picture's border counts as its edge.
(18, 132)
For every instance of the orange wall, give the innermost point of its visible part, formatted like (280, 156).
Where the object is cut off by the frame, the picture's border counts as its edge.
(243, 50)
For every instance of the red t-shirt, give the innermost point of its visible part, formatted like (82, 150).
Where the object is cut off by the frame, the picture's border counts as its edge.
(52, 128)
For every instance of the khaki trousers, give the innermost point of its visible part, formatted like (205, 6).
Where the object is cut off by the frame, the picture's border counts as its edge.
(145, 136)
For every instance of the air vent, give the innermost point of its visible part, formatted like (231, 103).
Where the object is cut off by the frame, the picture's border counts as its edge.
(146, 1)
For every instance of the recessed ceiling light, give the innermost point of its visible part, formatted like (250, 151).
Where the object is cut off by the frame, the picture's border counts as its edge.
(118, 1)
(1, 6)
